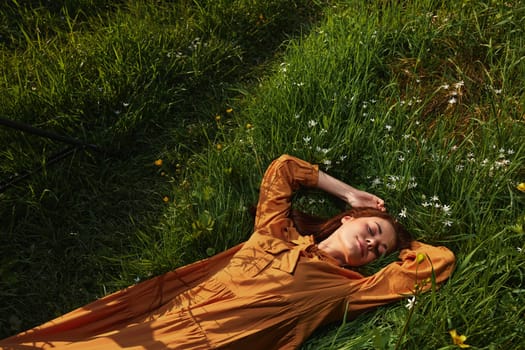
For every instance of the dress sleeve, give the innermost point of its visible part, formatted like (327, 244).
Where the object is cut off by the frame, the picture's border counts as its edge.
(398, 279)
(284, 175)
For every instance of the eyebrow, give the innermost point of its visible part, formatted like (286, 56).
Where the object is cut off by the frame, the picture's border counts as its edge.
(379, 227)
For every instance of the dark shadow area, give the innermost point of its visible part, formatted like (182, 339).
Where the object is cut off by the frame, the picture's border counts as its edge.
(66, 229)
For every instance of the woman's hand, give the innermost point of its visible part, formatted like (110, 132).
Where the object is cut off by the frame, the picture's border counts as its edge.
(351, 195)
(358, 198)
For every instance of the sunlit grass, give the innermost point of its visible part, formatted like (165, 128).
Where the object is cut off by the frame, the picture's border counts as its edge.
(421, 103)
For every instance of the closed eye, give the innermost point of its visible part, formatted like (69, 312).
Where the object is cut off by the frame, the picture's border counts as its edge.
(384, 247)
(380, 230)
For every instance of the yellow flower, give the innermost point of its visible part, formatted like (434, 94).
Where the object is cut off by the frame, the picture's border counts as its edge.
(229, 110)
(420, 257)
(249, 126)
(165, 199)
(217, 117)
(158, 162)
(458, 339)
(521, 187)
(219, 146)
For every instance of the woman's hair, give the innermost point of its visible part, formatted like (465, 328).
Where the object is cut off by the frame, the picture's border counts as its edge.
(321, 228)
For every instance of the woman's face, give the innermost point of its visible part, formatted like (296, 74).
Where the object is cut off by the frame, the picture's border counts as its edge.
(359, 241)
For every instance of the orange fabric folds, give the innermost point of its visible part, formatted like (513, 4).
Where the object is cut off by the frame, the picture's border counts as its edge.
(270, 292)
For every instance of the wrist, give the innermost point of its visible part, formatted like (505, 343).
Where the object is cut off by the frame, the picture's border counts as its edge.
(350, 195)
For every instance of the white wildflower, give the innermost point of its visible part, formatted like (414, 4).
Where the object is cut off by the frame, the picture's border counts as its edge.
(391, 186)
(459, 84)
(411, 302)
(403, 213)
(394, 178)
(322, 150)
(501, 163)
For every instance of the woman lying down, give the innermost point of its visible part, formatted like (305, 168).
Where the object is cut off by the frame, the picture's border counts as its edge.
(293, 275)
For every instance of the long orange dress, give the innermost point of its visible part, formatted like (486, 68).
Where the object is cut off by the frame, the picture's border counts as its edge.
(271, 292)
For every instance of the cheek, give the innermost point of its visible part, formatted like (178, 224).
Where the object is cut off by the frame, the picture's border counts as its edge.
(392, 242)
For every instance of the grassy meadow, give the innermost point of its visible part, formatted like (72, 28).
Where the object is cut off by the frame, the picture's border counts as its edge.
(420, 101)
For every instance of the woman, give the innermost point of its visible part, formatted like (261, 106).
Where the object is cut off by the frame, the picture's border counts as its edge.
(271, 292)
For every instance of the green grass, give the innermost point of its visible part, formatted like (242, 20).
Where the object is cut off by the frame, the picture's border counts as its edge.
(420, 102)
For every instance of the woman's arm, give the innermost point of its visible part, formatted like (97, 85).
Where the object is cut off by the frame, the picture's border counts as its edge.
(397, 280)
(283, 176)
(351, 195)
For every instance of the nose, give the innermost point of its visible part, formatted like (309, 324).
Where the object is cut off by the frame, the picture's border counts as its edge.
(371, 242)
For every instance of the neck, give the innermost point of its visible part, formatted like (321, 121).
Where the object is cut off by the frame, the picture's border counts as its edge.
(327, 247)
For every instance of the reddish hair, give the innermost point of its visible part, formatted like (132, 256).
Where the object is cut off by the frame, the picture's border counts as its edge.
(321, 228)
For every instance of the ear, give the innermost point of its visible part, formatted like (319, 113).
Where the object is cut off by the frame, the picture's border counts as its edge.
(346, 218)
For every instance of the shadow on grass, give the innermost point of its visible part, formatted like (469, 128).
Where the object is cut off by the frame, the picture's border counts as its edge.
(68, 230)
